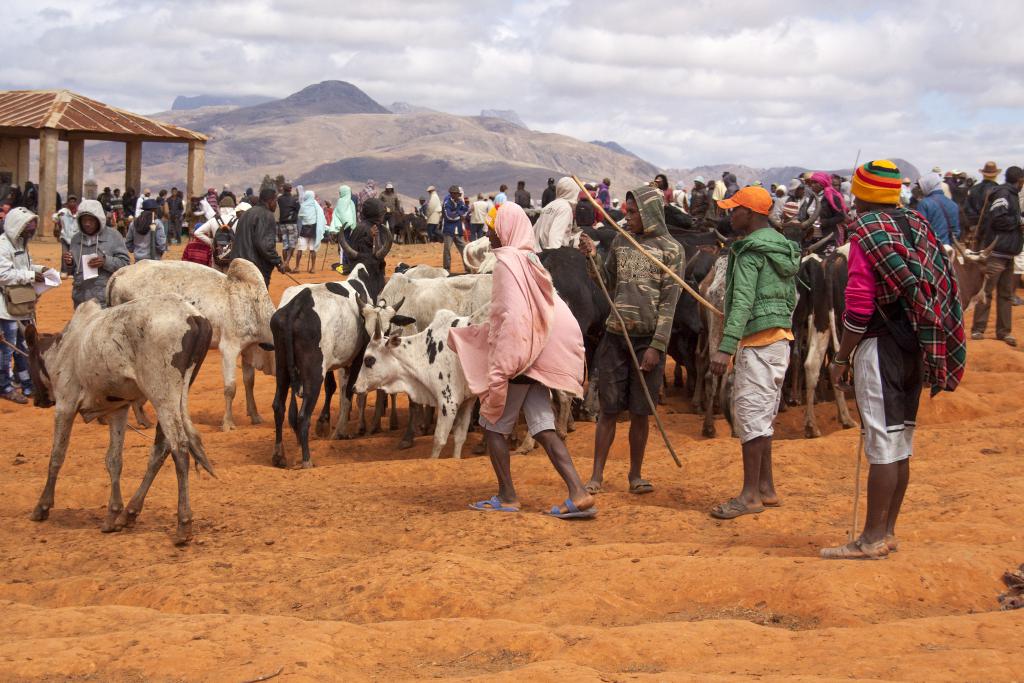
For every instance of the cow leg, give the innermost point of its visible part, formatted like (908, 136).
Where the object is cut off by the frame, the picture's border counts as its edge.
(228, 359)
(323, 423)
(711, 391)
(843, 411)
(817, 344)
(445, 419)
(311, 383)
(344, 406)
(280, 406)
(249, 381)
(63, 420)
(157, 455)
(393, 417)
(361, 414)
(117, 423)
(564, 402)
(139, 409)
(184, 532)
(461, 428)
(379, 407)
(410, 428)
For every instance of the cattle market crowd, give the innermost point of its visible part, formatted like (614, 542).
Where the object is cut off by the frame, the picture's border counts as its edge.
(568, 308)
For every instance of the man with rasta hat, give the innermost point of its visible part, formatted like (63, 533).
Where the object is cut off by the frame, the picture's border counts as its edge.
(903, 319)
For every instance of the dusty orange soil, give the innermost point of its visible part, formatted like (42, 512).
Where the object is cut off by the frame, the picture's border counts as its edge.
(371, 566)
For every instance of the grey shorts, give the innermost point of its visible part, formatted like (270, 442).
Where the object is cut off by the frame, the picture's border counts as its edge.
(757, 389)
(887, 381)
(289, 234)
(619, 387)
(535, 402)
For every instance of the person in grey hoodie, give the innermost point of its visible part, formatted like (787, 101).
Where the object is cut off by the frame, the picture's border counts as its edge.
(16, 268)
(104, 250)
(147, 236)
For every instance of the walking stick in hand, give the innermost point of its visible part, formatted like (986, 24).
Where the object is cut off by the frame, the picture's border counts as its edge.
(636, 363)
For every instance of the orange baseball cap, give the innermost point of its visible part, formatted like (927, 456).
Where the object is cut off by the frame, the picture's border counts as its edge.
(752, 197)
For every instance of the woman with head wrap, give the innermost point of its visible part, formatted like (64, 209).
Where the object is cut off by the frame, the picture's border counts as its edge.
(942, 212)
(312, 224)
(530, 345)
(554, 227)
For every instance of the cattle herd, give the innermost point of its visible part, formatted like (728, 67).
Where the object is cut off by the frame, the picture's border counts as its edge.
(368, 333)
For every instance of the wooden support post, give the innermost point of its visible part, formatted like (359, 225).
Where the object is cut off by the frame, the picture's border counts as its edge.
(48, 138)
(133, 167)
(196, 174)
(22, 168)
(76, 167)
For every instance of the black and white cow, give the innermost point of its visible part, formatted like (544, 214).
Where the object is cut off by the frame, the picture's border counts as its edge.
(318, 330)
(425, 367)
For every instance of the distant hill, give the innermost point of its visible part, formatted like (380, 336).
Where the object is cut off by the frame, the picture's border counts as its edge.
(505, 115)
(332, 132)
(614, 146)
(776, 174)
(183, 102)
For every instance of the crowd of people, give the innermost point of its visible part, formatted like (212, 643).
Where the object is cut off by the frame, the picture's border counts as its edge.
(902, 315)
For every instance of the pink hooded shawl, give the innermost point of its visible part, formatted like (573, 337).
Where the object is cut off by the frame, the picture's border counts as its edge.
(835, 199)
(530, 331)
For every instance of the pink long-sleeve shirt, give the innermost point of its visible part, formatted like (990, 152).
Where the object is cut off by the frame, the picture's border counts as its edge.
(861, 288)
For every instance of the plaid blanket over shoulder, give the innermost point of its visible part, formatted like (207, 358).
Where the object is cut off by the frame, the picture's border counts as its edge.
(919, 275)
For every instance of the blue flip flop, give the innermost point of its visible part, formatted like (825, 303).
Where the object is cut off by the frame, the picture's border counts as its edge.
(492, 505)
(573, 511)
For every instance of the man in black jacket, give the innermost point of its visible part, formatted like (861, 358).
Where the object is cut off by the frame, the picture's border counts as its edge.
(256, 236)
(978, 195)
(175, 211)
(289, 215)
(549, 193)
(522, 195)
(1000, 229)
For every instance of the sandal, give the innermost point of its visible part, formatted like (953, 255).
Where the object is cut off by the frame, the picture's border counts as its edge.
(494, 504)
(857, 550)
(1009, 339)
(640, 487)
(14, 397)
(733, 508)
(977, 335)
(572, 512)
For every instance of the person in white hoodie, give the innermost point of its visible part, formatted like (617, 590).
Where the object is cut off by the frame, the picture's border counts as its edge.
(433, 214)
(16, 268)
(555, 227)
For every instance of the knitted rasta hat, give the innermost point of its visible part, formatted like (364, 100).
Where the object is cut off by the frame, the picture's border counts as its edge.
(877, 182)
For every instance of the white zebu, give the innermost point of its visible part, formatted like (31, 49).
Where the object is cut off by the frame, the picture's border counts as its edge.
(104, 362)
(237, 304)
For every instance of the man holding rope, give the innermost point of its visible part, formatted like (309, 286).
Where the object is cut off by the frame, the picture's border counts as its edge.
(646, 297)
(759, 300)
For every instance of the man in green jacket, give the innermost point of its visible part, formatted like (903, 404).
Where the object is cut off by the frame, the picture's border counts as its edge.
(646, 298)
(759, 300)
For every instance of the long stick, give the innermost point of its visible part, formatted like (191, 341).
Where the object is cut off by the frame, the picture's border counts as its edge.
(636, 363)
(625, 233)
(12, 347)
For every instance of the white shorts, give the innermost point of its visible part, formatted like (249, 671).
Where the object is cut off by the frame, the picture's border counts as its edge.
(1018, 264)
(887, 381)
(304, 244)
(535, 402)
(757, 388)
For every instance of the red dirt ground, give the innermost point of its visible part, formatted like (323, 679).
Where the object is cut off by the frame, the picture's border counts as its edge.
(370, 566)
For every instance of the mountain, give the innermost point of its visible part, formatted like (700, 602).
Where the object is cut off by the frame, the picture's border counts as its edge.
(614, 146)
(183, 102)
(503, 114)
(746, 175)
(332, 132)
(406, 108)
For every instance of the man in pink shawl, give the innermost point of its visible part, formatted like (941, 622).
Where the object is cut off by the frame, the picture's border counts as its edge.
(531, 345)
(833, 214)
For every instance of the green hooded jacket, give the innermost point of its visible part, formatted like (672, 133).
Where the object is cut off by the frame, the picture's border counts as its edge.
(760, 286)
(645, 296)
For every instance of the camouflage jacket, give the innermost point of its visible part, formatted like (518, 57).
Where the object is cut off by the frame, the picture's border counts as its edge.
(644, 294)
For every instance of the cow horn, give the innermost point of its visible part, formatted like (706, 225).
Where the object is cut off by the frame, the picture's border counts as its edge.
(399, 304)
(987, 251)
(345, 246)
(377, 332)
(389, 240)
(814, 215)
(960, 248)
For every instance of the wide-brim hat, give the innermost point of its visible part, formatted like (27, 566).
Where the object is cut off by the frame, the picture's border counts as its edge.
(990, 169)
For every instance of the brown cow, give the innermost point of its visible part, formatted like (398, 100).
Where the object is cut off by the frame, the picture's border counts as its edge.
(107, 360)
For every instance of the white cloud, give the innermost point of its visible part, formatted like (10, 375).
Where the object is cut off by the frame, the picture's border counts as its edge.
(787, 82)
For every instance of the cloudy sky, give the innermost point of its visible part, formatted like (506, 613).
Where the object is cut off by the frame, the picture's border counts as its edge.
(682, 84)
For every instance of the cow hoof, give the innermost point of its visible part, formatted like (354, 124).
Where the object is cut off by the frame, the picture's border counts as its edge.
(110, 523)
(480, 448)
(279, 460)
(811, 432)
(307, 464)
(227, 426)
(404, 445)
(341, 437)
(849, 425)
(322, 428)
(256, 419)
(184, 534)
(125, 520)
(40, 514)
(374, 430)
(709, 432)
